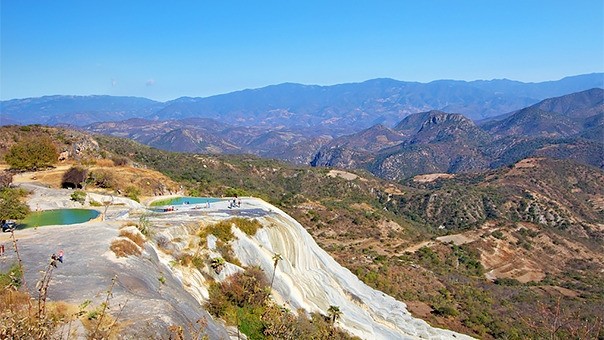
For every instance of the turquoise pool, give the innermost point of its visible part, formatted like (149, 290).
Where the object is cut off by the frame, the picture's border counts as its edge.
(57, 217)
(185, 200)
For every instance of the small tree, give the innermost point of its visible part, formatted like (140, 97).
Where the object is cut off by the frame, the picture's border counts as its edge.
(334, 313)
(32, 154)
(276, 258)
(75, 177)
(11, 208)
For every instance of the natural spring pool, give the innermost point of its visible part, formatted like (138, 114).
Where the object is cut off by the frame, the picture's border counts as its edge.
(57, 217)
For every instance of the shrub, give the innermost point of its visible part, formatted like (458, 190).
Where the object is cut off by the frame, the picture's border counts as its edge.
(227, 252)
(497, 234)
(6, 178)
(78, 196)
(232, 192)
(102, 179)
(120, 161)
(74, 178)
(507, 282)
(32, 154)
(222, 231)
(445, 310)
(248, 226)
(12, 278)
(133, 192)
(95, 203)
(144, 226)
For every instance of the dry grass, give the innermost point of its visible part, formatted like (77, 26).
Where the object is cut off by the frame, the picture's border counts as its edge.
(124, 247)
(62, 310)
(134, 237)
(105, 328)
(14, 301)
(104, 162)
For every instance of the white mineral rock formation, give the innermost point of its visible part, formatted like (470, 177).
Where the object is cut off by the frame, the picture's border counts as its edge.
(311, 279)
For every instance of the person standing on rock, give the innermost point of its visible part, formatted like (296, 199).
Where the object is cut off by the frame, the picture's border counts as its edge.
(60, 256)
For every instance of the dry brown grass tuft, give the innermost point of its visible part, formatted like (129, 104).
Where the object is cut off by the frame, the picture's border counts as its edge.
(134, 237)
(123, 247)
(62, 310)
(13, 300)
(128, 224)
(104, 163)
(106, 328)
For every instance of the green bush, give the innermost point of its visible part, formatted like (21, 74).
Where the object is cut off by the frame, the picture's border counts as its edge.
(497, 234)
(132, 193)
(102, 179)
(248, 226)
(11, 207)
(235, 192)
(78, 196)
(32, 154)
(445, 310)
(95, 203)
(222, 231)
(12, 278)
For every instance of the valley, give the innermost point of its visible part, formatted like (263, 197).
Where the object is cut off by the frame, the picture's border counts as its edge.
(466, 252)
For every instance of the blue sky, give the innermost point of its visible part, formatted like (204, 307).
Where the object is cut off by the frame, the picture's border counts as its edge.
(167, 49)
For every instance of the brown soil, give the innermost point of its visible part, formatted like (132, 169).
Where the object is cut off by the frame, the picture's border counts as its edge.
(419, 309)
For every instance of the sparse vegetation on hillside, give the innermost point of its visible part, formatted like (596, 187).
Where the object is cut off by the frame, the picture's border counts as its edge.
(367, 225)
(242, 301)
(541, 211)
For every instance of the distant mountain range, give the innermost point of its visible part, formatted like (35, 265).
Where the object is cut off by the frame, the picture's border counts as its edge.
(388, 127)
(439, 142)
(341, 109)
(570, 126)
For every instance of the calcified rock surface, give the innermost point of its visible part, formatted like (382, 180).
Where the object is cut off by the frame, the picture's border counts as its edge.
(311, 279)
(307, 278)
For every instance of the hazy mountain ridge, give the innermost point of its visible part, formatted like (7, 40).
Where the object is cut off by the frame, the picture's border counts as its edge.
(342, 108)
(75, 110)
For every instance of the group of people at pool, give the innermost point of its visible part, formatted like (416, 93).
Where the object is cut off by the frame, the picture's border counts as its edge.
(233, 203)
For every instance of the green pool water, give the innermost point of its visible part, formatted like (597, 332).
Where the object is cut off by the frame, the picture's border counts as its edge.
(57, 217)
(184, 200)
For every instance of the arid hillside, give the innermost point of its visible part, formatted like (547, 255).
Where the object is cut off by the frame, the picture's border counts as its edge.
(495, 254)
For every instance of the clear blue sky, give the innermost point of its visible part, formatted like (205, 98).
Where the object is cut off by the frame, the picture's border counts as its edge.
(167, 49)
